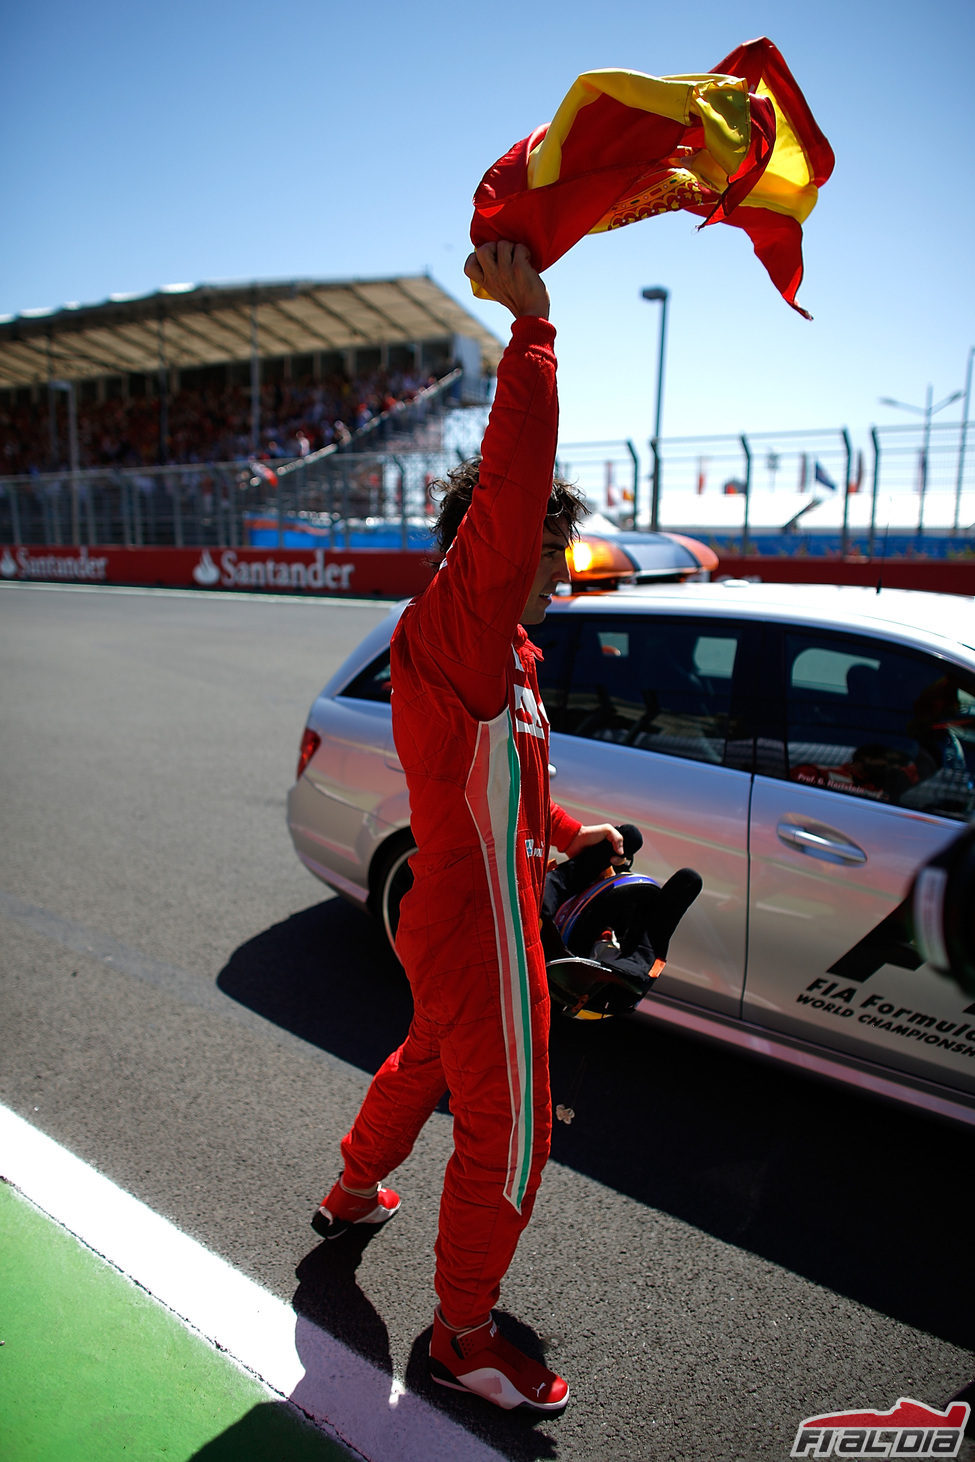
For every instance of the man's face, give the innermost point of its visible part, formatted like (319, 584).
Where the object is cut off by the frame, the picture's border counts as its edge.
(552, 571)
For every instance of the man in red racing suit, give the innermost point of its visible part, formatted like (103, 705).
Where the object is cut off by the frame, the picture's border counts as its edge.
(472, 735)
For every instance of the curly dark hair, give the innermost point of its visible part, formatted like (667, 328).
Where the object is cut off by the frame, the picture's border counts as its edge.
(566, 506)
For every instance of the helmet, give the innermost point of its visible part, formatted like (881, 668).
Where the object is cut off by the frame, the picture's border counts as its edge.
(616, 934)
(611, 901)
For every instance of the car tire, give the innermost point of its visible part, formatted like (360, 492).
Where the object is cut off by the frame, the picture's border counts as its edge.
(394, 880)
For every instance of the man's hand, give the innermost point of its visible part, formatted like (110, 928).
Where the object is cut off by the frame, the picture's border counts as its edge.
(586, 837)
(505, 272)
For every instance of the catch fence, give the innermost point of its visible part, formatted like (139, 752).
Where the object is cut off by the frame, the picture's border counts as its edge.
(792, 491)
(773, 492)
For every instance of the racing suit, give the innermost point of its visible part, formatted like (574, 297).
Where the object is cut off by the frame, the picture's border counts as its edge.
(472, 735)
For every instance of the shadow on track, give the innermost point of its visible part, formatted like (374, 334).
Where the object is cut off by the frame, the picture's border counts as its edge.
(327, 975)
(328, 1295)
(854, 1195)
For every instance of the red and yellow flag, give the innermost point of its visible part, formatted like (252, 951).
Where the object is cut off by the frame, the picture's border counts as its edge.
(738, 145)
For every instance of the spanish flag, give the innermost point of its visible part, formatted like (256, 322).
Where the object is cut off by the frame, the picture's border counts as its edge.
(738, 145)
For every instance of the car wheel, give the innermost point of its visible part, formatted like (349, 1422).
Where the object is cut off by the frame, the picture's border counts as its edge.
(394, 880)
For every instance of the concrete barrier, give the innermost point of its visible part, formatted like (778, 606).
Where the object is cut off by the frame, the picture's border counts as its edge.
(359, 573)
(397, 573)
(943, 576)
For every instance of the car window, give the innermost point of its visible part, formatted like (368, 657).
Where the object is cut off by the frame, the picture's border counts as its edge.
(649, 682)
(874, 721)
(373, 683)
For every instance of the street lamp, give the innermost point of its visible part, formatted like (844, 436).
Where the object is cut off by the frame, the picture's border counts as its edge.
(927, 411)
(656, 293)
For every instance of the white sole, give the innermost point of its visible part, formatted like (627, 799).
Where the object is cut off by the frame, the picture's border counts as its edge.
(498, 1389)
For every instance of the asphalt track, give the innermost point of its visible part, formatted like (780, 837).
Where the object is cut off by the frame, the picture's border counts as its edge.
(719, 1249)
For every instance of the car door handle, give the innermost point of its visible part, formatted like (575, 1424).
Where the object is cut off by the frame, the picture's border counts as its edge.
(820, 842)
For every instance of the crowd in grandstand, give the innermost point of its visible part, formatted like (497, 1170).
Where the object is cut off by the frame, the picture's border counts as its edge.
(208, 424)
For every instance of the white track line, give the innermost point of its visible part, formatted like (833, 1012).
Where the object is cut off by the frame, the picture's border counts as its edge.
(343, 1393)
(242, 596)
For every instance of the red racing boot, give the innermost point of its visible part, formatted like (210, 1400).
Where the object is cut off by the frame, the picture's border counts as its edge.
(483, 1362)
(341, 1210)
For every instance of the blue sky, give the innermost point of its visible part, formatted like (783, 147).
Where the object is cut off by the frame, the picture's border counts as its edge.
(146, 145)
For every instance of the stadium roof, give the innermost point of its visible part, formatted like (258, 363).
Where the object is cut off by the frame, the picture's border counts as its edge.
(189, 325)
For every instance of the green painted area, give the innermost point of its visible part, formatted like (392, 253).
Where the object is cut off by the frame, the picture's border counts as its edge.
(93, 1369)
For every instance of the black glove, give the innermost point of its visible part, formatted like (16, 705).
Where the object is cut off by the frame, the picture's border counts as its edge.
(592, 862)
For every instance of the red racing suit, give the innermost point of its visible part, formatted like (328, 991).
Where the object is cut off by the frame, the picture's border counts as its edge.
(472, 735)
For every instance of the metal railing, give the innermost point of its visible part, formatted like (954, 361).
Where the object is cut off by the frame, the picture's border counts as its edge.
(770, 491)
(380, 474)
(790, 490)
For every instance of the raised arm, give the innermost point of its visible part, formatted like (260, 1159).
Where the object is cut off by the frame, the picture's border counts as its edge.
(470, 612)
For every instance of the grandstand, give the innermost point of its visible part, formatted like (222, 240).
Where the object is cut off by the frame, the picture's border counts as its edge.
(215, 372)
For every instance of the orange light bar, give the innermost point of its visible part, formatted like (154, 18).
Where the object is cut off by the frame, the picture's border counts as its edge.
(597, 558)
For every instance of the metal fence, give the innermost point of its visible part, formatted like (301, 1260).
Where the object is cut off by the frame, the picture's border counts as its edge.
(379, 476)
(220, 503)
(901, 490)
(793, 490)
